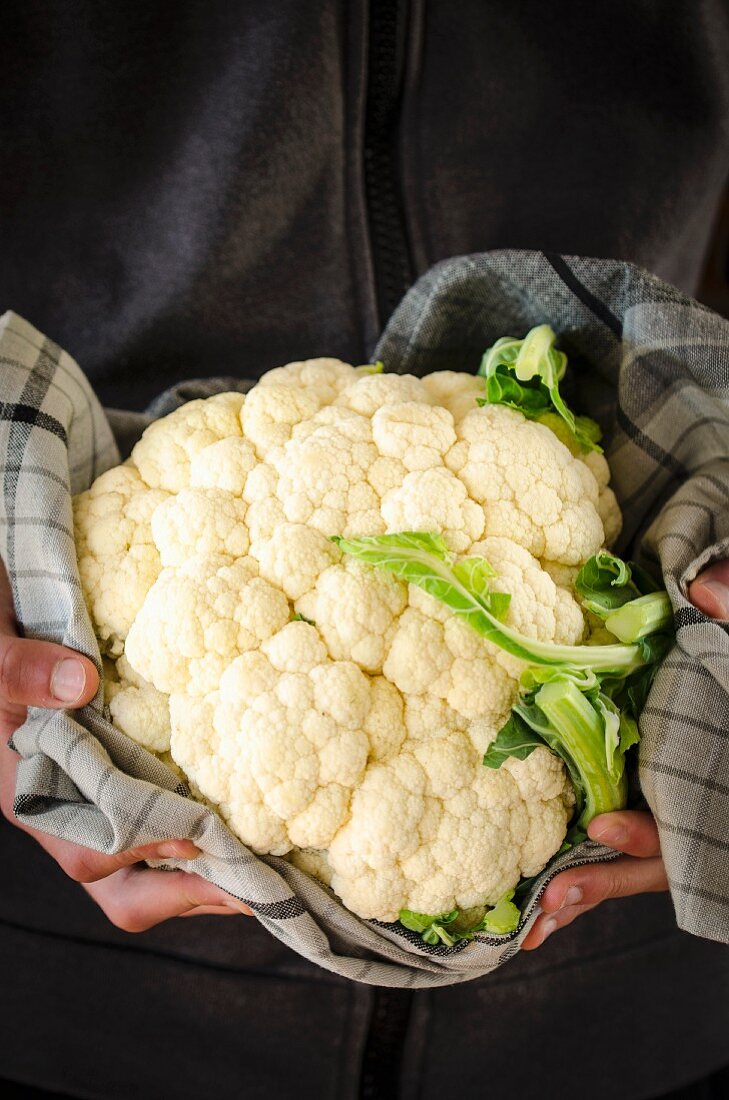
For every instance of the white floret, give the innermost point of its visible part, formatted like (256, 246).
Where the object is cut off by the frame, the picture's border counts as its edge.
(200, 521)
(117, 558)
(427, 831)
(224, 465)
(372, 391)
(418, 435)
(456, 391)
(137, 708)
(531, 488)
(294, 557)
(290, 744)
(325, 377)
(198, 617)
(168, 446)
(538, 608)
(434, 500)
(270, 413)
(356, 610)
(323, 480)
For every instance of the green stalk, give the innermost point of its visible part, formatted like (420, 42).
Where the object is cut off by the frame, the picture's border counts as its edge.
(579, 732)
(637, 619)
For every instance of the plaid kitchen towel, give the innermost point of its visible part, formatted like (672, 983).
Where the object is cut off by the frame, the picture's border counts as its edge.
(649, 364)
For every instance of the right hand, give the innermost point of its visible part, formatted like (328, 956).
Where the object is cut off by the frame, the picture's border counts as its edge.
(134, 898)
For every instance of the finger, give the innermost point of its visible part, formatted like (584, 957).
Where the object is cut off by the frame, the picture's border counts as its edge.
(597, 882)
(545, 925)
(631, 831)
(43, 674)
(85, 865)
(220, 910)
(135, 900)
(710, 591)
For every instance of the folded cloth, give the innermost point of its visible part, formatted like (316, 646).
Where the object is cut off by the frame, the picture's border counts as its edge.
(649, 364)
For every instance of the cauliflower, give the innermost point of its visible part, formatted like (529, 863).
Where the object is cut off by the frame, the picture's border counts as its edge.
(330, 710)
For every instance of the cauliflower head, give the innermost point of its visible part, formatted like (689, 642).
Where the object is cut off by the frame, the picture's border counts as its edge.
(329, 711)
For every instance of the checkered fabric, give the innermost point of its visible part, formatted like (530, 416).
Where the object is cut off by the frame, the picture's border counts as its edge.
(651, 365)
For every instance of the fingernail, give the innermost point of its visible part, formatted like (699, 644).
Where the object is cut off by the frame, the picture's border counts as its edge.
(572, 897)
(68, 680)
(548, 928)
(718, 606)
(613, 836)
(173, 849)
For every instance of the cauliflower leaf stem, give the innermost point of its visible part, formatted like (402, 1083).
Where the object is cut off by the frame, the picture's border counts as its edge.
(422, 558)
(525, 375)
(582, 702)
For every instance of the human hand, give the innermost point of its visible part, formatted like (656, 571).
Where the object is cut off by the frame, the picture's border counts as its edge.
(579, 889)
(641, 870)
(134, 898)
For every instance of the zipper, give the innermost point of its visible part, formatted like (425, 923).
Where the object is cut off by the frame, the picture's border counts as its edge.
(393, 272)
(391, 254)
(383, 1051)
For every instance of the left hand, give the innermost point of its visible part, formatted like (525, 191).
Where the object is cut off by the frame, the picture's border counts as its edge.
(634, 832)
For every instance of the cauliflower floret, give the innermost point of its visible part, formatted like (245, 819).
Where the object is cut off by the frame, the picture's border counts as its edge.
(355, 609)
(597, 465)
(418, 435)
(313, 862)
(455, 391)
(168, 446)
(291, 744)
(138, 708)
(449, 661)
(538, 608)
(198, 617)
(428, 717)
(610, 515)
(385, 722)
(427, 832)
(540, 777)
(419, 660)
(323, 480)
(532, 490)
(474, 676)
(370, 392)
(294, 557)
(327, 378)
(386, 474)
(265, 511)
(270, 413)
(564, 576)
(434, 500)
(200, 521)
(224, 465)
(328, 416)
(117, 559)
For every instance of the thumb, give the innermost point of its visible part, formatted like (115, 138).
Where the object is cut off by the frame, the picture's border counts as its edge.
(43, 674)
(710, 591)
